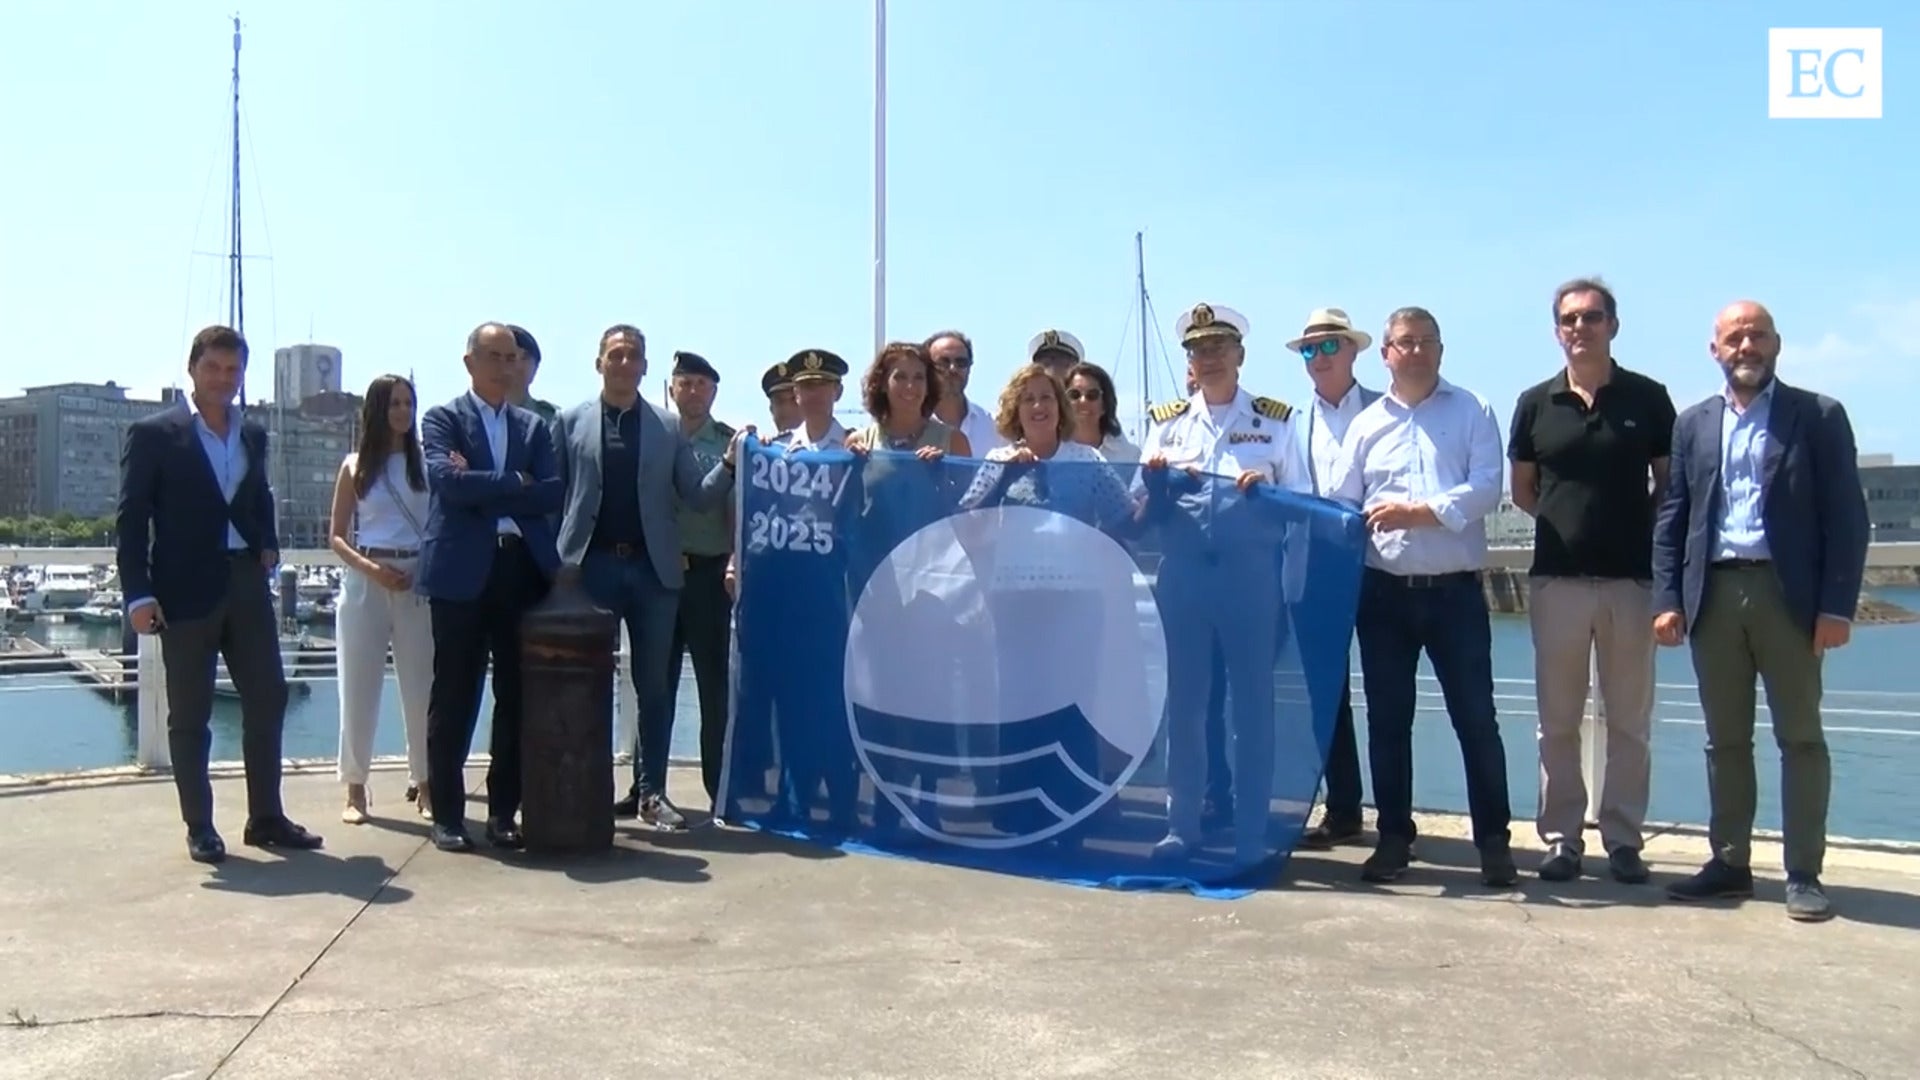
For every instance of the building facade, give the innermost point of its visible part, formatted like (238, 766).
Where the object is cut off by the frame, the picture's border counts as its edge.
(1893, 498)
(305, 446)
(60, 446)
(305, 371)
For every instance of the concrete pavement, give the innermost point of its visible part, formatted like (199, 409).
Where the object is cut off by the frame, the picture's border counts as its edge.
(724, 953)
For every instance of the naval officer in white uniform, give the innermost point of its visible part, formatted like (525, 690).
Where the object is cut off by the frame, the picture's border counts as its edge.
(1211, 589)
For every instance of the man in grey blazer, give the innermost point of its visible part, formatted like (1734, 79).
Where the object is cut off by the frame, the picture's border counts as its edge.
(623, 460)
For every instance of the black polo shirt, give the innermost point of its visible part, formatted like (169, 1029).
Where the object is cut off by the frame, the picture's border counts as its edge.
(1594, 517)
(619, 518)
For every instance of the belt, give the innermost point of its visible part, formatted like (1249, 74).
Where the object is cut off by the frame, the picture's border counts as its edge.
(1740, 564)
(389, 553)
(618, 551)
(1430, 581)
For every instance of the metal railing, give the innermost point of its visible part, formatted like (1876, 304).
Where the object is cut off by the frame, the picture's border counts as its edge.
(315, 662)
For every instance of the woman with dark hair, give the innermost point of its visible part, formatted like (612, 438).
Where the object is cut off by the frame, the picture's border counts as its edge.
(1095, 408)
(379, 515)
(900, 391)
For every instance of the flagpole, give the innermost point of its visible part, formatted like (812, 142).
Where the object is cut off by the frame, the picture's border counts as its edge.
(879, 175)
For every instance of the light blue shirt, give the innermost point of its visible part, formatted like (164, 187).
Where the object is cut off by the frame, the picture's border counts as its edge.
(1444, 453)
(1742, 532)
(494, 422)
(228, 458)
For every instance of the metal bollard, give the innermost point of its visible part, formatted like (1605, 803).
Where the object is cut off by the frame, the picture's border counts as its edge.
(567, 650)
(289, 595)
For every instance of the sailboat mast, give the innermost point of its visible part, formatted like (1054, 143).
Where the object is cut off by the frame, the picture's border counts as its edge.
(879, 175)
(1146, 393)
(236, 287)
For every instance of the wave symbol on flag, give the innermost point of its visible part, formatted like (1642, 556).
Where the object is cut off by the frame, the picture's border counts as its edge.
(1005, 675)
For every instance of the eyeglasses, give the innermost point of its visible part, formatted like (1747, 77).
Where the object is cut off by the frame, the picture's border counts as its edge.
(1589, 317)
(1088, 394)
(1319, 348)
(954, 363)
(1414, 344)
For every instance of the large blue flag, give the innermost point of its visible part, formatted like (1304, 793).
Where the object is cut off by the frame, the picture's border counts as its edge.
(1087, 672)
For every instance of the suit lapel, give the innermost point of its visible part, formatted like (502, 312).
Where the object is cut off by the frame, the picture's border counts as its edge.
(516, 440)
(1783, 416)
(593, 439)
(655, 440)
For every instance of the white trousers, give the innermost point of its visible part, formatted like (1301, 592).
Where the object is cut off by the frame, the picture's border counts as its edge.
(370, 618)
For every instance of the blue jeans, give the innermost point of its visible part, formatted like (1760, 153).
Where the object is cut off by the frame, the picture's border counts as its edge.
(1445, 616)
(632, 591)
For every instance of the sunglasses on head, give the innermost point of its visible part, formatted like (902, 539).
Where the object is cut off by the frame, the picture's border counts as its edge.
(1314, 349)
(1091, 393)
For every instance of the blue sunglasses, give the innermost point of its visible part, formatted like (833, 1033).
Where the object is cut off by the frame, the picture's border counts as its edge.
(1320, 348)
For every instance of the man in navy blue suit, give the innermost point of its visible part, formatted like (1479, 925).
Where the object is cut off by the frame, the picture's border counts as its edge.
(1758, 555)
(196, 541)
(487, 556)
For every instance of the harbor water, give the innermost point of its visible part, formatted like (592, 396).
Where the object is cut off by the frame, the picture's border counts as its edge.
(52, 723)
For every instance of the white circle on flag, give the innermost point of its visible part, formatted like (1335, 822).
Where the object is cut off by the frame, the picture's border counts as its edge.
(1015, 658)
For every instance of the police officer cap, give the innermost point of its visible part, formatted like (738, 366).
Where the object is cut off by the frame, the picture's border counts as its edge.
(525, 343)
(777, 378)
(815, 365)
(1210, 321)
(686, 363)
(1056, 341)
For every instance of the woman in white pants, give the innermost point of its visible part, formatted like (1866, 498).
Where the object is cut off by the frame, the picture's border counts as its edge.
(379, 516)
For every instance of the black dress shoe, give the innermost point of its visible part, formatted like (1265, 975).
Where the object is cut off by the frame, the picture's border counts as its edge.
(1627, 867)
(1497, 869)
(503, 833)
(280, 833)
(1561, 864)
(1390, 858)
(205, 846)
(452, 838)
(1715, 881)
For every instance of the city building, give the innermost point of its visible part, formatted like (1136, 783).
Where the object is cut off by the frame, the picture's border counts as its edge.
(60, 448)
(305, 371)
(1509, 526)
(1893, 498)
(305, 444)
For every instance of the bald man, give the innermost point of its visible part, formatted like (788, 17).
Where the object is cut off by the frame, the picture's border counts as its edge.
(1758, 554)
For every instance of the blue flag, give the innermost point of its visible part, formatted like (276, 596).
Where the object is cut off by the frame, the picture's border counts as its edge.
(1079, 671)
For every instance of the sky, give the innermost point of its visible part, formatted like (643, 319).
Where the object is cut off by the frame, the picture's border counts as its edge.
(706, 172)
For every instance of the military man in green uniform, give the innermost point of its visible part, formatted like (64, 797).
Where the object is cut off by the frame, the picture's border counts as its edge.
(529, 367)
(706, 542)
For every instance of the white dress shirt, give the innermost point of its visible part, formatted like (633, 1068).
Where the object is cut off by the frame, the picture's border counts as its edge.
(494, 422)
(1327, 426)
(1444, 453)
(978, 427)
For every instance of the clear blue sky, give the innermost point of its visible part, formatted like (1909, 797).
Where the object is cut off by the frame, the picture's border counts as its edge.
(705, 171)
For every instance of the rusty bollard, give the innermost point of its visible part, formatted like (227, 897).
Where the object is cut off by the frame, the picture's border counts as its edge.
(568, 648)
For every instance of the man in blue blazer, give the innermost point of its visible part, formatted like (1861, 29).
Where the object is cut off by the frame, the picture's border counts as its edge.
(196, 541)
(487, 556)
(622, 460)
(1758, 555)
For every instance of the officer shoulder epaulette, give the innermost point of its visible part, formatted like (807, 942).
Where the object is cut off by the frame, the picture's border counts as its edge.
(1163, 413)
(1272, 408)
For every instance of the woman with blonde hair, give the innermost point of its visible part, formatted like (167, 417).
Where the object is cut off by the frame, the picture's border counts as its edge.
(379, 516)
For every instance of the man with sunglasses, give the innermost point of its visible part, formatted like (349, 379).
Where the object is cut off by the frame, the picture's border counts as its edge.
(1329, 345)
(952, 355)
(1589, 451)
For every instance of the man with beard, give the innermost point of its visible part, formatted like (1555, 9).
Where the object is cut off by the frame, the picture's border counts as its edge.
(1758, 555)
(952, 354)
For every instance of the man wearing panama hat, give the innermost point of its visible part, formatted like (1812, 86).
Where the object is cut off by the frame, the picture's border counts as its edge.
(1329, 345)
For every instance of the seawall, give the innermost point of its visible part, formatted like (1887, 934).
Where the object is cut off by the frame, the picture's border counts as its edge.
(1507, 592)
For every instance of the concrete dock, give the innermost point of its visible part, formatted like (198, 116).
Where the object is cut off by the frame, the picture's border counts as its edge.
(722, 953)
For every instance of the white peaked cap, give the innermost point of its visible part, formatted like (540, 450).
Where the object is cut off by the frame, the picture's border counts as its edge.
(1056, 339)
(1209, 320)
